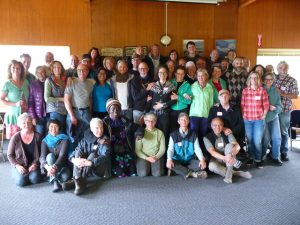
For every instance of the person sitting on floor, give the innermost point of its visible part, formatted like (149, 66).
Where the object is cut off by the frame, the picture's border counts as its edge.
(121, 132)
(150, 149)
(91, 157)
(223, 149)
(183, 145)
(24, 151)
(54, 151)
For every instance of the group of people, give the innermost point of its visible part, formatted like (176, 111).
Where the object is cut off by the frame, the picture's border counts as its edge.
(144, 115)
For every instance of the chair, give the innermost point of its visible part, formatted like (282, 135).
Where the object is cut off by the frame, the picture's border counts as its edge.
(294, 127)
(2, 136)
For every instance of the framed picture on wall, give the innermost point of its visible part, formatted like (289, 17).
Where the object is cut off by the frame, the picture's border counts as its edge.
(224, 45)
(199, 46)
(129, 50)
(114, 52)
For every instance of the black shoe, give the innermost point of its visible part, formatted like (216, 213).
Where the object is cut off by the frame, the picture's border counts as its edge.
(68, 185)
(276, 162)
(284, 157)
(249, 162)
(56, 186)
(260, 165)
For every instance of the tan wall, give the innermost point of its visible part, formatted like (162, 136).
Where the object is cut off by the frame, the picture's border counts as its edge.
(41, 22)
(277, 20)
(119, 23)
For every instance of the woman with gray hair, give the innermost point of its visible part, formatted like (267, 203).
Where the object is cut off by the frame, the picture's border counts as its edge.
(150, 149)
(24, 151)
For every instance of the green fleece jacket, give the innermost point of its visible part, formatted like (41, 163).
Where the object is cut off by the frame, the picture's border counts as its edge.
(182, 102)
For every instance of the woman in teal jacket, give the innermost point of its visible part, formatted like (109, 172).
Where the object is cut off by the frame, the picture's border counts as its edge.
(184, 96)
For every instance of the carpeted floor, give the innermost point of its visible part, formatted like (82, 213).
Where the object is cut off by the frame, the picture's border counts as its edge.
(271, 197)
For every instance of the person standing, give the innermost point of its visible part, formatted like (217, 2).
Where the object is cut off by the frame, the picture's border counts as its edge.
(288, 90)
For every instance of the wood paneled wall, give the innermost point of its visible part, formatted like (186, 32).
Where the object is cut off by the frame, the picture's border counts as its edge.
(278, 21)
(39, 22)
(119, 23)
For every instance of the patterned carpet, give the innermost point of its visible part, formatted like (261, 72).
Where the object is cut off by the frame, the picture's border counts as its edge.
(271, 197)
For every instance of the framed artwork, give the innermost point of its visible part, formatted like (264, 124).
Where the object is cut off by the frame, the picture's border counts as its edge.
(199, 46)
(129, 50)
(115, 52)
(224, 45)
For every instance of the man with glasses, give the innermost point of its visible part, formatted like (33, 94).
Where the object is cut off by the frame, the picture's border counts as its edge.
(78, 103)
(140, 87)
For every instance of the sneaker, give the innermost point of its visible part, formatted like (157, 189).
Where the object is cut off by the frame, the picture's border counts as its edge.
(284, 157)
(56, 186)
(250, 162)
(245, 174)
(68, 185)
(260, 165)
(189, 174)
(237, 164)
(227, 180)
(200, 174)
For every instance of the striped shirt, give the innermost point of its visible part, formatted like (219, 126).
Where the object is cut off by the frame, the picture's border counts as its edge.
(254, 103)
(287, 85)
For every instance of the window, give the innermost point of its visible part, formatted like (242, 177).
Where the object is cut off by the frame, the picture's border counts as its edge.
(37, 53)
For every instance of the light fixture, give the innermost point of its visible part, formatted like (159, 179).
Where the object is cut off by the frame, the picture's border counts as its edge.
(166, 39)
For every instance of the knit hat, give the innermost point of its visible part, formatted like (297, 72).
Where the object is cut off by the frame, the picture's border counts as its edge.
(111, 102)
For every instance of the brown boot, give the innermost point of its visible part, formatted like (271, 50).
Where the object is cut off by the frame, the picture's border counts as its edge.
(79, 186)
(68, 185)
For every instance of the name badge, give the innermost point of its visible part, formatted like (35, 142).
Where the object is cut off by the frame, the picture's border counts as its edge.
(179, 144)
(219, 114)
(221, 145)
(282, 88)
(257, 98)
(95, 147)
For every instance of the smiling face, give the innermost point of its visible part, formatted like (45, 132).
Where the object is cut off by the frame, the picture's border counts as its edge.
(150, 122)
(183, 122)
(53, 129)
(26, 125)
(122, 67)
(114, 112)
(82, 72)
(57, 69)
(101, 76)
(162, 74)
(97, 129)
(202, 78)
(217, 125)
(179, 75)
(15, 70)
(41, 74)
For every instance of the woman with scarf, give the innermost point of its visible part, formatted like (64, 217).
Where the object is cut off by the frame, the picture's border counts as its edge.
(54, 94)
(54, 152)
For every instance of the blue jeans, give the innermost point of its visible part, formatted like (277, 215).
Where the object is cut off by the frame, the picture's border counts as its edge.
(200, 126)
(284, 120)
(40, 126)
(83, 123)
(63, 173)
(61, 118)
(254, 132)
(272, 133)
(21, 180)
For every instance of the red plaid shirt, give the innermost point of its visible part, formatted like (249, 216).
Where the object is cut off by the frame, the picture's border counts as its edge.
(254, 103)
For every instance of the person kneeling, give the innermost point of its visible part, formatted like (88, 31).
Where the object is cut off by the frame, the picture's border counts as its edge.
(90, 157)
(150, 149)
(183, 145)
(223, 150)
